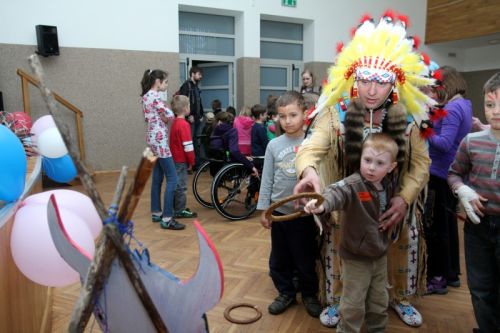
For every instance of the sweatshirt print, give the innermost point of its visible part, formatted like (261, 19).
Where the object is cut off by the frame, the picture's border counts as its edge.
(279, 175)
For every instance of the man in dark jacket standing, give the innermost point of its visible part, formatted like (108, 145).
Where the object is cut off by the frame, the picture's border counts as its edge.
(192, 91)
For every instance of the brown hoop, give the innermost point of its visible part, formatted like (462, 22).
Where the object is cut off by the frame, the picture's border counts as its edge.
(269, 211)
(230, 308)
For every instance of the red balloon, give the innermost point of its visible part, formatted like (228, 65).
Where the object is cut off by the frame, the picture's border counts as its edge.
(19, 121)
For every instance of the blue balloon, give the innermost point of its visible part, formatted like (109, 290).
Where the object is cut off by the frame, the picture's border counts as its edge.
(61, 169)
(13, 165)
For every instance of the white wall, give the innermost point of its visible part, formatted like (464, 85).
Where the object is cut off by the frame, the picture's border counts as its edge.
(482, 58)
(132, 25)
(110, 24)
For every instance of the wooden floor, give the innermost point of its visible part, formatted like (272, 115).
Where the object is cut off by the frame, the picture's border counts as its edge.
(244, 247)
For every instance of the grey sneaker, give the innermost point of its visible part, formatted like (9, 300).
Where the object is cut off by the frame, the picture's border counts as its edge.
(313, 306)
(172, 225)
(280, 304)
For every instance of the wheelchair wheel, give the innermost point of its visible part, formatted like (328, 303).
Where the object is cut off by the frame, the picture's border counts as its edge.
(234, 192)
(202, 184)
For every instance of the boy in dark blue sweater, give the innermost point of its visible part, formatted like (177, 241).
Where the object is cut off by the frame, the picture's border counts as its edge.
(259, 137)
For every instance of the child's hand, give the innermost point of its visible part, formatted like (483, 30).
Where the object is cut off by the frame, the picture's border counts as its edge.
(309, 183)
(471, 202)
(255, 172)
(264, 221)
(311, 208)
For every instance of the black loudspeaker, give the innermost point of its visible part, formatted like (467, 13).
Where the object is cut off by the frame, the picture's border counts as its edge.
(46, 37)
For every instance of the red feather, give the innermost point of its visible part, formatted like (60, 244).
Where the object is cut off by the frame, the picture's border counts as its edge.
(438, 75)
(340, 46)
(427, 132)
(310, 110)
(405, 20)
(366, 17)
(443, 112)
(324, 82)
(389, 13)
(437, 114)
(353, 31)
(308, 120)
(425, 58)
(416, 42)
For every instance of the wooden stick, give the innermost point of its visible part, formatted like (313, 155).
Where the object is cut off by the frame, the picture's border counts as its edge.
(111, 241)
(135, 279)
(48, 97)
(113, 208)
(135, 190)
(96, 279)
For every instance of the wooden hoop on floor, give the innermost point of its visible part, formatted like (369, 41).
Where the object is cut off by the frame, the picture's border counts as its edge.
(269, 211)
(227, 313)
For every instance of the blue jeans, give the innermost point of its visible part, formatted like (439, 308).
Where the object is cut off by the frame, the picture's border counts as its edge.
(181, 189)
(164, 167)
(482, 260)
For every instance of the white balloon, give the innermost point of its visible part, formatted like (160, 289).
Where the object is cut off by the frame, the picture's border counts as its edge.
(41, 125)
(77, 202)
(51, 144)
(33, 249)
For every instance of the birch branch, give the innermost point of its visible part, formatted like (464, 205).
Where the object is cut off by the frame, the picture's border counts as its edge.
(84, 174)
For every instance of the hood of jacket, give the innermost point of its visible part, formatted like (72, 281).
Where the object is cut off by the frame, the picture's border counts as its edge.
(221, 129)
(243, 122)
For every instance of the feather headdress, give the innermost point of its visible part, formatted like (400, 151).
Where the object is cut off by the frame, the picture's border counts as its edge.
(381, 52)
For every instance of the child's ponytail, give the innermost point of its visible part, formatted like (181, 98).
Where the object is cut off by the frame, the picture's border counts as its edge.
(149, 78)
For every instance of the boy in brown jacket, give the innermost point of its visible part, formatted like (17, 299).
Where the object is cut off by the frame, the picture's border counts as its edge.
(364, 196)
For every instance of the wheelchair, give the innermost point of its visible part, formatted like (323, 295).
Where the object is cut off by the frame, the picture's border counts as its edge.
(230, 189)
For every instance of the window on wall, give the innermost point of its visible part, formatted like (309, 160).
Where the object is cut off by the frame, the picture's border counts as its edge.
(281, 40)
(272, 82)
(206, 34)
(281, 53)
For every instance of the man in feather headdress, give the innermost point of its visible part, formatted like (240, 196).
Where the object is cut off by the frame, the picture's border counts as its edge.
(373, 87)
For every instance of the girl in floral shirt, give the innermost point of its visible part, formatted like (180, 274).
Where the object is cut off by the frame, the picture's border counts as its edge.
(158, 116)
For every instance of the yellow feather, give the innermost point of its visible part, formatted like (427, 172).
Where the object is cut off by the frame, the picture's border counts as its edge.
(387, 42)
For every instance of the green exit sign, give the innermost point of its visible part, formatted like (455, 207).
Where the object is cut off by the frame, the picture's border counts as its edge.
(289, 3)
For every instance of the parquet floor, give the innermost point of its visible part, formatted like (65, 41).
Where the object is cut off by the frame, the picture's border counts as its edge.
(244, 248)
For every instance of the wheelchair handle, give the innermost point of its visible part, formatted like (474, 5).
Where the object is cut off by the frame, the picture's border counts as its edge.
(269, 211)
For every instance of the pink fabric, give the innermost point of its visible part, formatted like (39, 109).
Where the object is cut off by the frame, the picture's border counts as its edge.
(243, 125)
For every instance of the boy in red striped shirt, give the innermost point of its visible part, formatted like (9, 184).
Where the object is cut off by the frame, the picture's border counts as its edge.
(182, 149)
(474, 176)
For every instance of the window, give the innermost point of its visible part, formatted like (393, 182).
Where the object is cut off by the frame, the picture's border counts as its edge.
(281, 52)
(206, 34)
(281, 40)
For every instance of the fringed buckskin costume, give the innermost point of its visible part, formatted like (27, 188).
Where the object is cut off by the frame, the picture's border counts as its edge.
(380, 53)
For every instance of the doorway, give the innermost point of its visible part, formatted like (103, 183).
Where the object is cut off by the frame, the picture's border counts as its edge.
(217, 82)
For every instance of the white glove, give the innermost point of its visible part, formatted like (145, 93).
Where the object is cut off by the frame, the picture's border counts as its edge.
(466, 195)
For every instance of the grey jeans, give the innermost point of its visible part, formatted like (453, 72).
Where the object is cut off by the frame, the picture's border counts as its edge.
(181, 188)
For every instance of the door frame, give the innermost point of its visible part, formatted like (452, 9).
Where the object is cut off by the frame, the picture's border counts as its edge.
(204, 60)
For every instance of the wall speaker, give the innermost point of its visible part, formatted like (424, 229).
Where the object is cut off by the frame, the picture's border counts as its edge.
(46, 37)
